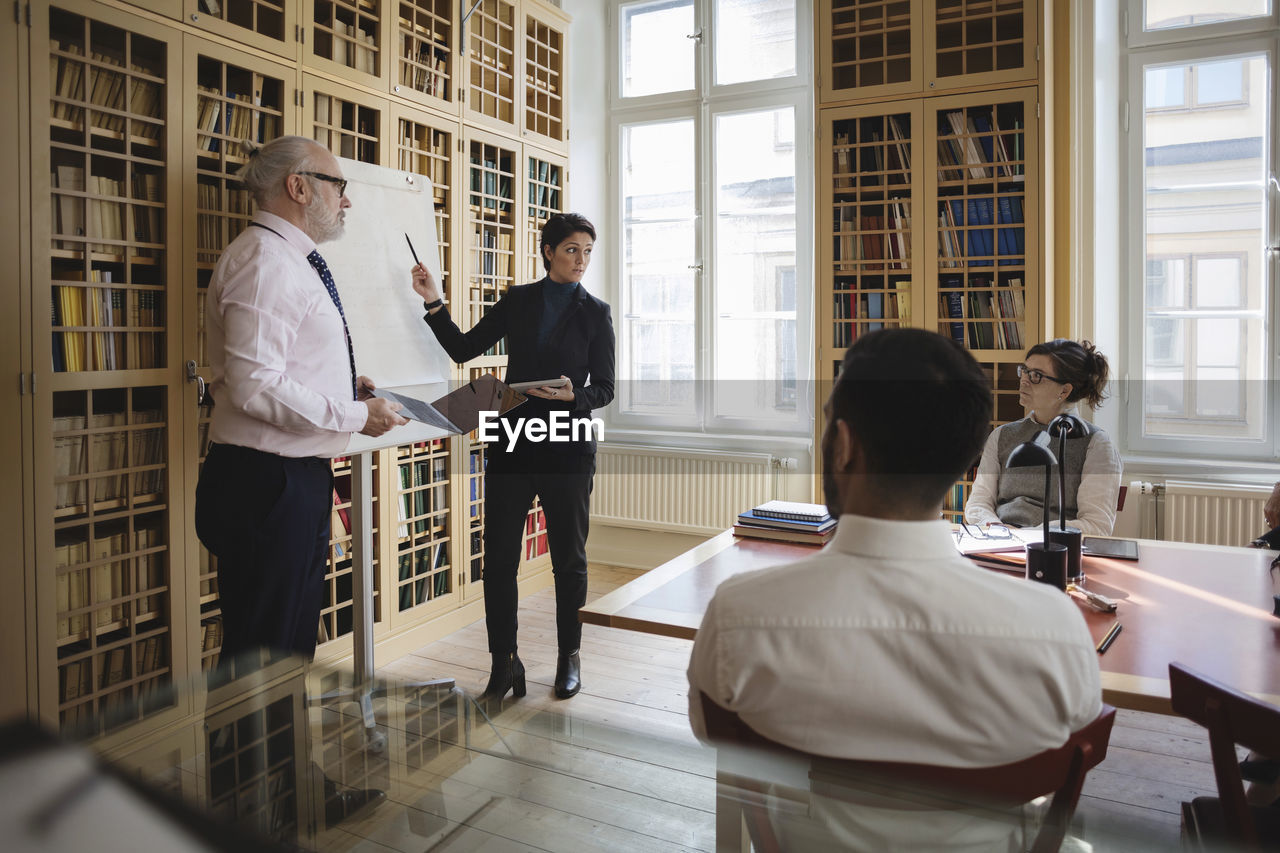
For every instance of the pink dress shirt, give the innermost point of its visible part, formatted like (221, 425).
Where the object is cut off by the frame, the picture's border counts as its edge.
(278, 355)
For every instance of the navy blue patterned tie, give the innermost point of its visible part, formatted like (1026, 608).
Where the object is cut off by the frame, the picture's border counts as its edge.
(327, 277)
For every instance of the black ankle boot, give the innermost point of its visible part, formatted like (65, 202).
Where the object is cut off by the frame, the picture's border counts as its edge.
(507, 674)
(568, 674)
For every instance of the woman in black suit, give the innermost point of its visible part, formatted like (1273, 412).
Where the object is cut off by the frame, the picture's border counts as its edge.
(553, 328)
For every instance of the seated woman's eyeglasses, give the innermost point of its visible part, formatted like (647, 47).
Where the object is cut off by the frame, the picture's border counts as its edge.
(1034, 376)
(991, 531)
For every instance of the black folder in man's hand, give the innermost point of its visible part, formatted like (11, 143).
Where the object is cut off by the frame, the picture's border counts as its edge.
(459, 410)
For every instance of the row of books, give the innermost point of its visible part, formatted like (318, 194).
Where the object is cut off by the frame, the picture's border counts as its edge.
(210, 643)
(495, 252)
(106, 216)
(427, 573)
(496, 188)
(96, 597)
(426, 66)
(864, 161)
(103, 307)
(874, 238)
(873, 305)
(102, 451)
(424, 496)
(979, 147)
(73, 80)
(355, 47)
(963, 237)
(544, 186)
(1003, 308)
(113, 669)
(242, 118)
(787, 521)
(535, 534)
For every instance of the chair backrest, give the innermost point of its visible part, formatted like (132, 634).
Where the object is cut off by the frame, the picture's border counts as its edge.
(1059, 771)
(1232, 718)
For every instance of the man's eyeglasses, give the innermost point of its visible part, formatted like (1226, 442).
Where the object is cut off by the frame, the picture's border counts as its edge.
(341, 182)
(1034, 376)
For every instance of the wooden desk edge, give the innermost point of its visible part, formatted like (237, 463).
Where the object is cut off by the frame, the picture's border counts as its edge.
(603, 610)
(1140, 693)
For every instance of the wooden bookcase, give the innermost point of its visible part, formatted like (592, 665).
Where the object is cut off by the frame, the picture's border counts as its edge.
(545, 95)
(270, 25)
(492, 54)
(427, 53)
(129, 165)
(930, 180)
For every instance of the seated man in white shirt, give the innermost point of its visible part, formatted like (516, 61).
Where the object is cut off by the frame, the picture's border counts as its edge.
(887, 645)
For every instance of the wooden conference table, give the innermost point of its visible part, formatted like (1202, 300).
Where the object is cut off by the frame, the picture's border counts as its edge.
(1208, 607)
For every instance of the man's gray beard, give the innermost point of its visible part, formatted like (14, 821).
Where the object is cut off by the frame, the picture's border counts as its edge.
(322, 226)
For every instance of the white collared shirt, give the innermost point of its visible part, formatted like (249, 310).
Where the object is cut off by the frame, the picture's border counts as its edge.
(887, 645)
(281, 379)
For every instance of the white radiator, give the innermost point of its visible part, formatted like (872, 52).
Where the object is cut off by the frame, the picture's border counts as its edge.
(682, 491)
(1213, 513)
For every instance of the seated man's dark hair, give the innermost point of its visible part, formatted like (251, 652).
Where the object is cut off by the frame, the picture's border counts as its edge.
(919, 405)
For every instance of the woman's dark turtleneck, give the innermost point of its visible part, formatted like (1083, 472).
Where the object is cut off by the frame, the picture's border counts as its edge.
(556, 297)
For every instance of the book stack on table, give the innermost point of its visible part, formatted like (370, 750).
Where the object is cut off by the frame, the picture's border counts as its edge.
(787, 521)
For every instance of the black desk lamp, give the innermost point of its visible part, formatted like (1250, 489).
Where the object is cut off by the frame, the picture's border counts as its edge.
(1063, 427)
(1046, 560)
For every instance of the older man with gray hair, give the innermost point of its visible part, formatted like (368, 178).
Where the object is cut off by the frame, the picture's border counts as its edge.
(287, 398)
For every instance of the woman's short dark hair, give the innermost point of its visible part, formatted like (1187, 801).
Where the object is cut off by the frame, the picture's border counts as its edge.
(1080, 364)
(918, 403)
(559, 228)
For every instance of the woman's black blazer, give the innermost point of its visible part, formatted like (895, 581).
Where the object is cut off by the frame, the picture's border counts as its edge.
(580, 347)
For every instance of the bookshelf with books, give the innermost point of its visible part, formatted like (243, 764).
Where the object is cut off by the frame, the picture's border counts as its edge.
(270, 25)
(425, 144)
(491, 57)
(884, 48)
(130, 159)
(346, 38)
(490, 229)
(425, 581)
(930, 173)
(104, 515)
(347, 122)
(337, 611)
(426, 58)
(545, 104)
(233, 96)
(545, 190)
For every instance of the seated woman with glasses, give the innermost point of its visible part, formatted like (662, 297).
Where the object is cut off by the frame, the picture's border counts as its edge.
(1054, 376)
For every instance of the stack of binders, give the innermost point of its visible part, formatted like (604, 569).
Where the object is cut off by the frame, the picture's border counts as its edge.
(787, 522)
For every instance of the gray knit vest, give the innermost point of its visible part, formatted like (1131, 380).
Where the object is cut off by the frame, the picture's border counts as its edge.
(1020, 498)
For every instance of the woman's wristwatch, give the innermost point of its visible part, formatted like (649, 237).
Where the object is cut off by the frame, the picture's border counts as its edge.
(431, 306)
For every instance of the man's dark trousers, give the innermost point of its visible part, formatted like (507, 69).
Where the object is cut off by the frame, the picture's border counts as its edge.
(266, 520)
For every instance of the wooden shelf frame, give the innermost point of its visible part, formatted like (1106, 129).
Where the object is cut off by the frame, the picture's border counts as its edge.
(427, 56)
(269, 25)
(545, 97)
(492, 56)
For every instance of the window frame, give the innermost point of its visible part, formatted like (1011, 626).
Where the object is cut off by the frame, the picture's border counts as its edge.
(1200, 45)
(703, 105)
(1136, 36)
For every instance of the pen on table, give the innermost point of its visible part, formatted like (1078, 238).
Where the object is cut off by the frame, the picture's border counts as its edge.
(1110, 638)
(411, 251)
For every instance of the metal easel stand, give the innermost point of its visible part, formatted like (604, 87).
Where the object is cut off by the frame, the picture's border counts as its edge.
(364, 687)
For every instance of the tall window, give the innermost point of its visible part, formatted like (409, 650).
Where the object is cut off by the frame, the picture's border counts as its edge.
(1203, 198)
(712, 118)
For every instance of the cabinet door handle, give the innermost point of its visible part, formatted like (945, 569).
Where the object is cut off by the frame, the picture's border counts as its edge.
(194, 376)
